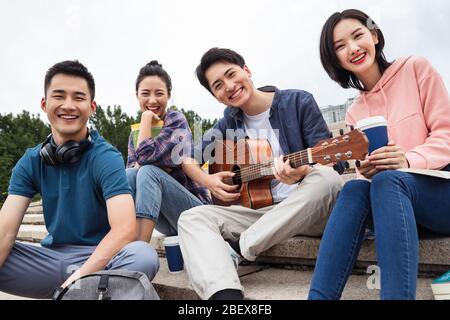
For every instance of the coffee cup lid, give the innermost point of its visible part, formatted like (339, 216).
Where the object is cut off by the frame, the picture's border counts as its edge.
(171, 241)
(371, 123)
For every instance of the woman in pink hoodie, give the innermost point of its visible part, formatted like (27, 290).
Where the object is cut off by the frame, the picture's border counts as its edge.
(411, 95)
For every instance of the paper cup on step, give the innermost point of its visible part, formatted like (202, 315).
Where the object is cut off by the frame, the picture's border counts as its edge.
(173, 254)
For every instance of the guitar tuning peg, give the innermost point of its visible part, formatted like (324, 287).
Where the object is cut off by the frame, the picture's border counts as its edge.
(339, 168)
(352, 128)
(341, 132)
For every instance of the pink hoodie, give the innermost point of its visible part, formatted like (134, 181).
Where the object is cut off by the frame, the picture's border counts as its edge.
(412, 97)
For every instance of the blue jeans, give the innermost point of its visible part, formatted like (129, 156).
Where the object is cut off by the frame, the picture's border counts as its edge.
(159, 197)
(397, 202)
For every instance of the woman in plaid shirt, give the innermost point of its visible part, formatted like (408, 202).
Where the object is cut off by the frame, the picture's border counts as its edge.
(160, 188)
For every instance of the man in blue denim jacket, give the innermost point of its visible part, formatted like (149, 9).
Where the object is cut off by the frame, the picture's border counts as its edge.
(302, 197)
(293, 112)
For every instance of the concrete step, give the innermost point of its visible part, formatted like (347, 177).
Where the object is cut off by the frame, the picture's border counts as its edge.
(157, 243)
(34, 209)
(302, 251)
(434, 252)
(36, 204)
(266, 284)
(274, 284)
(32, 233)
(33, 218)
(5, 296)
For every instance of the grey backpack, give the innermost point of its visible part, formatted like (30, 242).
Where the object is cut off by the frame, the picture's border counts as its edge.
(109, 285)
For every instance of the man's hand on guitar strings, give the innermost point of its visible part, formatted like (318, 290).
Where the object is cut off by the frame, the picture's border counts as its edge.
(284, 173)
(221, 190)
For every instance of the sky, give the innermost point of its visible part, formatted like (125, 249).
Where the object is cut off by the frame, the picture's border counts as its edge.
(279, 40)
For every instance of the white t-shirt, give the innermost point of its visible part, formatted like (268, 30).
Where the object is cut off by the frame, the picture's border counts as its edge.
(259, 127)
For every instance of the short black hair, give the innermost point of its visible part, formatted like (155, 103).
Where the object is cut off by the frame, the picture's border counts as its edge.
(154, 68)
(328, 56)
(213, 56)
(71, 68)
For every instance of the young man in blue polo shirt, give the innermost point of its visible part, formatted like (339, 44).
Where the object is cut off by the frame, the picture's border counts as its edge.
(88, 207)
(303, 197)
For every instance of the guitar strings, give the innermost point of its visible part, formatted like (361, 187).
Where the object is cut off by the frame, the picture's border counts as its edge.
(253, 174)
(268, 164)
(254, 171)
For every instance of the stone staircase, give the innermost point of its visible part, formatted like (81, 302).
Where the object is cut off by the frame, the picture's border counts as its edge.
(283, 272)
(32, 228)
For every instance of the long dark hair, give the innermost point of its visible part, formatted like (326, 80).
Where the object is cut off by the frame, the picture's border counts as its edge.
(328, 56)
(154, 68)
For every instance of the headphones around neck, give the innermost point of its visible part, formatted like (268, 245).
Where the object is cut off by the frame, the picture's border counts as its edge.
(67, 153)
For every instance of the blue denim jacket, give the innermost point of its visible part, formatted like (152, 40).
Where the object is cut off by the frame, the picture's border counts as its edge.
(294, 113)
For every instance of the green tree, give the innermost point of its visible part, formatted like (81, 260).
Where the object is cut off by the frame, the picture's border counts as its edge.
(194, 119)
(114, 125)
(17, 132)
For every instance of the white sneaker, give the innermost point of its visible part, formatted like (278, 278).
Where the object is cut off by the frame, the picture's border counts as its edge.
(236, 257)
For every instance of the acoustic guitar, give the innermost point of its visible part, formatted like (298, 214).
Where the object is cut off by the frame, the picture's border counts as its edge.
(251, 160)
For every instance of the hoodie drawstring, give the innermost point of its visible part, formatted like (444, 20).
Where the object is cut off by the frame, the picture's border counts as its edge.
(385, 102)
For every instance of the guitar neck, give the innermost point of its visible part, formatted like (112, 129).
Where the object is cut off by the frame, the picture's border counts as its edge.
(300, 158)
(264, 170)
(351, 146)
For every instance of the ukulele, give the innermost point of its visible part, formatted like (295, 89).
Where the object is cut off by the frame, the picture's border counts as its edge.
(251, 160)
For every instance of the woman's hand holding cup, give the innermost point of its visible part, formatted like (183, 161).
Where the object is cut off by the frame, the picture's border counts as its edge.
(367, 170)
(391, 157)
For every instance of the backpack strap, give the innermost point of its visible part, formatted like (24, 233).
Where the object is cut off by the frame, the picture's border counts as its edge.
(102, 288)
(58, 293)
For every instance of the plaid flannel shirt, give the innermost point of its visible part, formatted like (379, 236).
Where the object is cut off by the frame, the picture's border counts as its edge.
(157, 151)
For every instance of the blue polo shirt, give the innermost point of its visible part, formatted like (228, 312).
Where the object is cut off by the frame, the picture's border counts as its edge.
(73, 196)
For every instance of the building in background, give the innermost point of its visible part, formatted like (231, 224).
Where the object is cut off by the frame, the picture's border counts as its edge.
(336, 114)
(335, 119)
